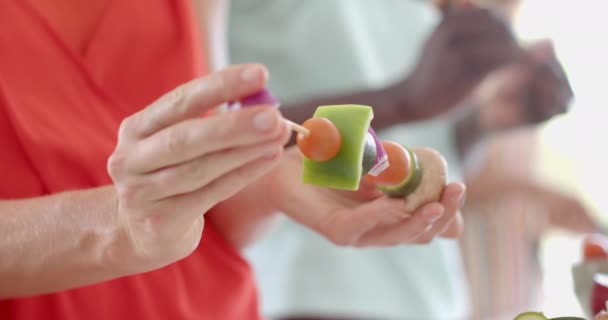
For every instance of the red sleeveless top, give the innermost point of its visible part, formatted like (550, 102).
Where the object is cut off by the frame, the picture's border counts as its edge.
(59, 114)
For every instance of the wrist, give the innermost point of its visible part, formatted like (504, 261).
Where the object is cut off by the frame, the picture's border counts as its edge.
(101, 243)
(121, 254)
(281, 186)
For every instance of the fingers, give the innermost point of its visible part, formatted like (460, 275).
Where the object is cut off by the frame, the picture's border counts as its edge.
(197, 137)
(406, 231)
(345, 227)
(455, 228)
(217, 191)
(195, 98)
(431, 220)
(452, 199)
(196, 173)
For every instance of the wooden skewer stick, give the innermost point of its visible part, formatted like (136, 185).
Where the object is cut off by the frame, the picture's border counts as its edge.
(297, 128)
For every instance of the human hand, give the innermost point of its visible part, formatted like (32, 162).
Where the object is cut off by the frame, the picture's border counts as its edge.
(529, 91)
(465, 47)
(366, 217)
(567, 212)
(171, 164)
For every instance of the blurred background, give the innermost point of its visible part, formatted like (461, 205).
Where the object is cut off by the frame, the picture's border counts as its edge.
(533, 171)
(519, 269)
(567, 158)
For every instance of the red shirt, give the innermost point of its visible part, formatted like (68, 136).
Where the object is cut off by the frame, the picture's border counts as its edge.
(59, 114)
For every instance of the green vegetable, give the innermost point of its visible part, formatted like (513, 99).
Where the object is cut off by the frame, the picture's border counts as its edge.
(410, 183)
(540, 316)
(345, 170)
(531, 316)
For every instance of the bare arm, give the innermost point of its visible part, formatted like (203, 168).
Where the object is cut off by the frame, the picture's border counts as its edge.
(393, 105)
(62, 241)
(464, 48)
(169, 168)
(211, 17)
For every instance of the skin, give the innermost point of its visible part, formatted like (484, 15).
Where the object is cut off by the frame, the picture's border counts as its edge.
(465, 47)
(410, 99)
(171, 168)
(302, 111)
(520, 95)
(168, 179)
(527, 92)
(507, 168)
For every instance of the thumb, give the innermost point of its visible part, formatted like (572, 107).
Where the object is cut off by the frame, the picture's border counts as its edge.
(199, 96)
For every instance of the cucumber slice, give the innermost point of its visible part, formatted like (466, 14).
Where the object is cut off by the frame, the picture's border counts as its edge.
(369, 153)
(410, 183)
(541, 316)
(531, 316)
(344, 171)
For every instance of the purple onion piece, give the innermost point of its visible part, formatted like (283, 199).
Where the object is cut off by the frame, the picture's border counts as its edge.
(261, 97)
(381, 162)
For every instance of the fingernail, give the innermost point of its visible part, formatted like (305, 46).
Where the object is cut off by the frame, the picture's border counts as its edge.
(463, 200)
(252, 74)
(265, 120)
(432, 215)
(458, 197)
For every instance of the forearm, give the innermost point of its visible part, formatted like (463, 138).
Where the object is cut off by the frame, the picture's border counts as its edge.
(392, 105)
(245, 217)
(211, 17)
(61, 241)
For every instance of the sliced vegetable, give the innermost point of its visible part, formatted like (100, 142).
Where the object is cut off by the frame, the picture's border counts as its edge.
(369, 154)
(404, 173)
(531, 316)
(595, 246)
(344, 171)
(413, 174)
(399, 168)
(599, 292)
(381, 160)
(322, 143)
(541, 316)
(261, 97)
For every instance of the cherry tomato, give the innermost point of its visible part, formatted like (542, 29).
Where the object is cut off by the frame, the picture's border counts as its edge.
(594, 247)
(323, 142)
(399, 165)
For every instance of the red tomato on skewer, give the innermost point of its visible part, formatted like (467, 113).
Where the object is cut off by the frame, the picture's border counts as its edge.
(595, 247)
(323, 142)
(399, 165)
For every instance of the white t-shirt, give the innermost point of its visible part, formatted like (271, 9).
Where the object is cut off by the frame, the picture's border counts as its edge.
(320, 47)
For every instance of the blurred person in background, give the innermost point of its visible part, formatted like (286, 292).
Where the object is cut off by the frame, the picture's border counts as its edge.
(366, 52)
(509, 206)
